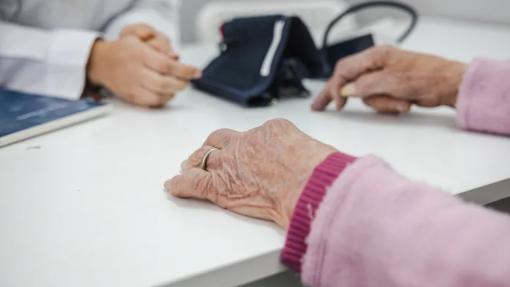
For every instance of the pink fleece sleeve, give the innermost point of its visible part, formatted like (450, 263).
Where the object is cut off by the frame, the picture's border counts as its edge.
(376, 228)
(483, 103)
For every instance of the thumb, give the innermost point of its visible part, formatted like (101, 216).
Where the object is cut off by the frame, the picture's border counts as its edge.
(348, 90)
(378, 91)
(192, 183)
(143, 32)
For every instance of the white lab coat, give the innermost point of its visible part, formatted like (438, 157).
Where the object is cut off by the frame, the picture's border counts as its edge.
(45, 44)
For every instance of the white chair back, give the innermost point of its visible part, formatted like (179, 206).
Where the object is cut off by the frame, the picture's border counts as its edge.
(317, 14)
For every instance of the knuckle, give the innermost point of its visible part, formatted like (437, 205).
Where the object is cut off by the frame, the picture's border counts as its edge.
(168, 66)
(221, 138)
(142, 28)
(343, 68)
(278, 122)
(382, 52)
(340, 63)
(383, 49)
(217, 134)
(195, 160)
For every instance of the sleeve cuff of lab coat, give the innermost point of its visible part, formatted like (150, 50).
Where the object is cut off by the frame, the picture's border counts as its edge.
(67, 62)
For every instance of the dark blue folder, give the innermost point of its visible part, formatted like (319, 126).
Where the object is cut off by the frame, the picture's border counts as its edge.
(21, 112)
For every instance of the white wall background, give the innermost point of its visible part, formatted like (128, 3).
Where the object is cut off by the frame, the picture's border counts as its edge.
(479, 10)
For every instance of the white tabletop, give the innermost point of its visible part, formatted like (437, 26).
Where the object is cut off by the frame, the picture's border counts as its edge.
(87, 207)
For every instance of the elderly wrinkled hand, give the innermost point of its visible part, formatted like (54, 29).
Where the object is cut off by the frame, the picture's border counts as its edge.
(259, 173)
(392, 80)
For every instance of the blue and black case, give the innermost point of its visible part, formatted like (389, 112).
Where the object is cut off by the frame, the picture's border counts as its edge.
(261, 58)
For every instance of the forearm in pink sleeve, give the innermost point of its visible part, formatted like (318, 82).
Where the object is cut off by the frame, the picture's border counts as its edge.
(483, 103)
(374, 228)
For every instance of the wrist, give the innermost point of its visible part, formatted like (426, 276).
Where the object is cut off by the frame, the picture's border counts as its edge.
(96, 61)
(455, 73)
(308, 203)
(323, 154)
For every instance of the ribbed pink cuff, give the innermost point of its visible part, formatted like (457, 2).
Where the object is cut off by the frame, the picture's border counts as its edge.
(483, 102)
(322, 178)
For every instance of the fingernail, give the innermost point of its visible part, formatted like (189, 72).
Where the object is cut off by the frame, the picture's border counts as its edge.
(348, 90)
(173, 55)
(198, 74)
(183, 164)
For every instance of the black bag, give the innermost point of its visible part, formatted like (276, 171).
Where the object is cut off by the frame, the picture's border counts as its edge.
(264, 58)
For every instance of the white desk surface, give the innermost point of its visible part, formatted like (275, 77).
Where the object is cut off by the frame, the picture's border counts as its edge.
(88, 208)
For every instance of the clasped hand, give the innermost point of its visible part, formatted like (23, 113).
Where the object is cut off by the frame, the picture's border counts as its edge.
(140, 67)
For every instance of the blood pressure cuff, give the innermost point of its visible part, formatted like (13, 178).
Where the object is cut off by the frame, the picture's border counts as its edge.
(262, 58)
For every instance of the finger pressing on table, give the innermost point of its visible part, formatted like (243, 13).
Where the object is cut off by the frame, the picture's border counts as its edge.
(192, 183)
